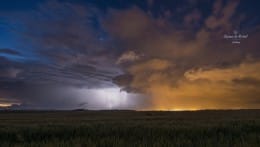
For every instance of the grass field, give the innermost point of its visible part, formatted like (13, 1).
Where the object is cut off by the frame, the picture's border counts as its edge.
(224, 128)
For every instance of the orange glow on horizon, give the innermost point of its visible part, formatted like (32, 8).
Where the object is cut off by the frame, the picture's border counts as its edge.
(5, 105)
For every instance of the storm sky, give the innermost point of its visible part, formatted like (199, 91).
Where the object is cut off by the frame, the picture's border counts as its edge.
(129, 54)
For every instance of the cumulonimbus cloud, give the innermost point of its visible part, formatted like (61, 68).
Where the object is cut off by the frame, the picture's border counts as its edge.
(175, 59)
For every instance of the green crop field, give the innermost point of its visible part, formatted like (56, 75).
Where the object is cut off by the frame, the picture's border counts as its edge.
(226, 128)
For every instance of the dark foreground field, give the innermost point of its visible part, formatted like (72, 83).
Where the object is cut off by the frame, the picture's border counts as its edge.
(130, 128)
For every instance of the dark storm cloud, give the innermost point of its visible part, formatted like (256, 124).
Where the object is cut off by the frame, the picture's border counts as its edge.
(172, 51)
(68, 51)
(66, 39)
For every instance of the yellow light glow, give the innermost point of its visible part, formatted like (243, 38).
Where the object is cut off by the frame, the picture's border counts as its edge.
(5, 105)
(8, 104)
(178, 109)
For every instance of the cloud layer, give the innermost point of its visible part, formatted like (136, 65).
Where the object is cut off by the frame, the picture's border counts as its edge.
(164, 58)
(185, 68)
